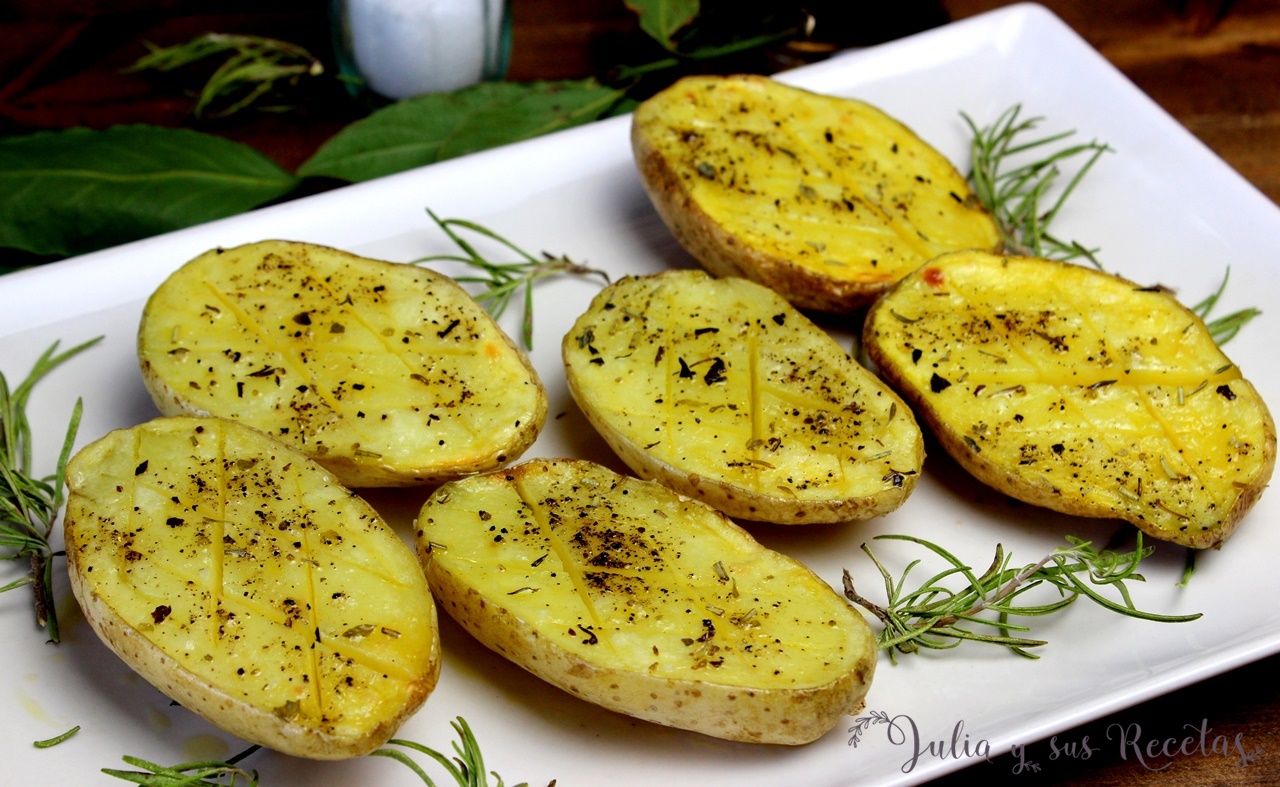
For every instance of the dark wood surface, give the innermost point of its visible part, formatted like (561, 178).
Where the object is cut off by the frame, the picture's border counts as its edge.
(1213, 64)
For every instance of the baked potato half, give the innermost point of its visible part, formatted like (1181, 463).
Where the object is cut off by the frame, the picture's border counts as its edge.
(239, 578)
(386, 374)
(646, 602)
(721, 390)
(826, 200)
(1076, 390)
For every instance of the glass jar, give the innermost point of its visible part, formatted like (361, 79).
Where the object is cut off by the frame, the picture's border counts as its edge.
(403, 48)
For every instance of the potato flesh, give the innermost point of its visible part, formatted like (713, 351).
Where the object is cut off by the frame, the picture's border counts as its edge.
(639, 583)
(386, 374)
(253, 575)
(1079, 391)
(831, 184)
(723, 380)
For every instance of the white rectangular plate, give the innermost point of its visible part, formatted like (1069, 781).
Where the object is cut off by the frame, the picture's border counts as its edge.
(1162, 208)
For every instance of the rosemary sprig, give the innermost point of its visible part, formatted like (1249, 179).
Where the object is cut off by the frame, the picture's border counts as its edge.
(1015, 197)
(467, 768)
(936, 616)
(204, 773)
(256, 67)
(29, 505)
(504, 279)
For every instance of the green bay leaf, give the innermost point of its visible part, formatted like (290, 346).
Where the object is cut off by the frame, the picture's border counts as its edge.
(74, 191)
(662, 19)
(439, 126)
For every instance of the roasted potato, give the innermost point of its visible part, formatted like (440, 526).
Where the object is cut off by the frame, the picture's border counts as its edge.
(1076, 390)
(386, 374)
(633, 597)
(721, 390)
(825, 200)
(242, 580)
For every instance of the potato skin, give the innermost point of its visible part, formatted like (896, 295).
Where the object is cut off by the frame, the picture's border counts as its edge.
(238, 717)
(640, 666)
(728, 712)
(799, 191)
(163, 575)
(721, 390)
(386, 374)
(1078, 391)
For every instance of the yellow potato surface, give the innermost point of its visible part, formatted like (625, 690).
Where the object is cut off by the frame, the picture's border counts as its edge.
(242, 580)
(386, 374)
(643, 601)
(724, 392)
(1079, 391)
(826, 200)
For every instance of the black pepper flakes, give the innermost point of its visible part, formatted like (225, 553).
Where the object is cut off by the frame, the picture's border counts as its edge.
(716, 373)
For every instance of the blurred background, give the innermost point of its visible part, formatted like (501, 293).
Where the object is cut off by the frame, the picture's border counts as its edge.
(1213, 64)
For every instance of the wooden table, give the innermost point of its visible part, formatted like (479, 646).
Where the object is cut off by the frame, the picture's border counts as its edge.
(1213, 64)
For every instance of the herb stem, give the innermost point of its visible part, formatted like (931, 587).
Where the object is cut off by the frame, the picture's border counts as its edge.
(932, 616)
(503, 280)
(1004, 592)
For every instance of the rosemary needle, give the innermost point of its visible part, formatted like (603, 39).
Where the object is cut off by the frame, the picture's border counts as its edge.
(504, 279)
(1225, 328)
(55, 740)
(467, 768)
(937, 615)
(29, 505)
(189, 774)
